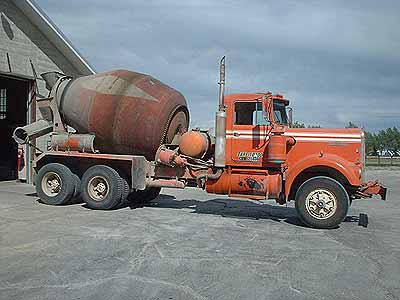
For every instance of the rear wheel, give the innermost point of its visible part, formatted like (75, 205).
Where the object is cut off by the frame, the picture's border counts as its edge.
(125, 193)
(322, 202)
(102, 187)
(77, 192)
(55, 184)
(126, 190)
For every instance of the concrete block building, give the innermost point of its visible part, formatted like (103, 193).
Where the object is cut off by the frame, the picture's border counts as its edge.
(30, 44)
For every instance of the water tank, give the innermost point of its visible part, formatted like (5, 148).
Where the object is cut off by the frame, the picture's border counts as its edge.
(194, 144)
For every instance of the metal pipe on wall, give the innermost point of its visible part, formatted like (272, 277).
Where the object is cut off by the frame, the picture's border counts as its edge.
(29, 151)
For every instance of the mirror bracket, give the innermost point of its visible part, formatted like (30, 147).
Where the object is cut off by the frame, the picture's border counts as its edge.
(290, 116)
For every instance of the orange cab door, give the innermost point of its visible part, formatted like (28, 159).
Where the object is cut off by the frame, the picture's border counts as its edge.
(248, 135)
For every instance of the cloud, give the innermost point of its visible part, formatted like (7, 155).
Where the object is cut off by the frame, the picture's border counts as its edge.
(338, 61)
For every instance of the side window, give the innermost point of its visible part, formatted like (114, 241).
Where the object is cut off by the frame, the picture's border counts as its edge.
(3, 104)
(249, 113)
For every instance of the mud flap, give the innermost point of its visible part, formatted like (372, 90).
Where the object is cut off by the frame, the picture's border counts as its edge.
(371, 188)
(363, 220)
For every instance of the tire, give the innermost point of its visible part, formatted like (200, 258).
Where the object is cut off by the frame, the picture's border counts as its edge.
(322, 202)
(145, 195)
(77, 192)
(126, 190)
(55, 184)
(102, 187)
(125, 193)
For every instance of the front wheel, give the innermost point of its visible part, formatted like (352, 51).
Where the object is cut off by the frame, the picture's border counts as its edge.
(322, 202)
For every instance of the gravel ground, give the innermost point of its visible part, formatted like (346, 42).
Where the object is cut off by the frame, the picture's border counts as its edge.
(190, 245)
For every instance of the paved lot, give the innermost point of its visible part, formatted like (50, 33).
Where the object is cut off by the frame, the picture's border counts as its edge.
(190, 245)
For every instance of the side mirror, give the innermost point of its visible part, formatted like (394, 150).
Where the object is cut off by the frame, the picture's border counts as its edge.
(290, 115)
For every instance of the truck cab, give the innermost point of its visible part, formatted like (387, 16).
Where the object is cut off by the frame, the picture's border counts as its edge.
(322, 170)
(259, 136)
(250, 120)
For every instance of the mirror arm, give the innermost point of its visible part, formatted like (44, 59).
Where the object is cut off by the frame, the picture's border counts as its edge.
(290, 110)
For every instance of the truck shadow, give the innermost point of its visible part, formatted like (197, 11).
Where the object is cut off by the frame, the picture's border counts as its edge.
(224, 207)
(231, 208)
(228, 208)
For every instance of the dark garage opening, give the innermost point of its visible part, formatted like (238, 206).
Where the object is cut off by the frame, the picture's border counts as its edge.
(14, 93)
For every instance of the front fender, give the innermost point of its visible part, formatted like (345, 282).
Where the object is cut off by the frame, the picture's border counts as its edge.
(348, 169)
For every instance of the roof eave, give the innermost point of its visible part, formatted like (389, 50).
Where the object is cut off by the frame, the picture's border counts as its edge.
(32, 11)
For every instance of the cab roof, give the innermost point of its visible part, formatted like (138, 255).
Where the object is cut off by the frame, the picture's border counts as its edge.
(253, 96)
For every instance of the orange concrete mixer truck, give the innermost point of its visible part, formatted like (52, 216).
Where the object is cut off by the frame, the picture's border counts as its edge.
(132, 139)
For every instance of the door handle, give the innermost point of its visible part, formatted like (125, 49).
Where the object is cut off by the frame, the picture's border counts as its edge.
(236, 134)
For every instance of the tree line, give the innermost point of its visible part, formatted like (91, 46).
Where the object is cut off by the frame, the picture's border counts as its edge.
(385, 142)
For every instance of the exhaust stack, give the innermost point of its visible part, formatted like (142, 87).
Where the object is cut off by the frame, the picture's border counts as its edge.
(220, 121)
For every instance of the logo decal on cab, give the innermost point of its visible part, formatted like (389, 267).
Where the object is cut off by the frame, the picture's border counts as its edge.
(250, 156)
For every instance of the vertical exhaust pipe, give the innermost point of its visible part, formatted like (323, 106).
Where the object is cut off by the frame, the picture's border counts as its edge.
(221, 83)
(220, 121)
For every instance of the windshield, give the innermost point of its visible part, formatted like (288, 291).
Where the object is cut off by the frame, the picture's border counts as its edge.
(280, 112)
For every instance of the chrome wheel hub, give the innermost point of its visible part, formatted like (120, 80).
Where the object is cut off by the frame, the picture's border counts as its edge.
(51, 184)
(98, 188)
(321, 204)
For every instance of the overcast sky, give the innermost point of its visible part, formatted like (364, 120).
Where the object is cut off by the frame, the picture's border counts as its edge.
(337, 61)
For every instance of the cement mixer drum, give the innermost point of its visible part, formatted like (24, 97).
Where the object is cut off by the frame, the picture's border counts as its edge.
(129, 112)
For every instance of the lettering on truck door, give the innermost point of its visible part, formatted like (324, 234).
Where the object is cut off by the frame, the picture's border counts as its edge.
(248, 134)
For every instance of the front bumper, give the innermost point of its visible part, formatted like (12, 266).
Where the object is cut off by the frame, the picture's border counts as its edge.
(367, 190)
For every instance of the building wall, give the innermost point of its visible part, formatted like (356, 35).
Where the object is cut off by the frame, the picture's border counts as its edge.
(24, 43)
